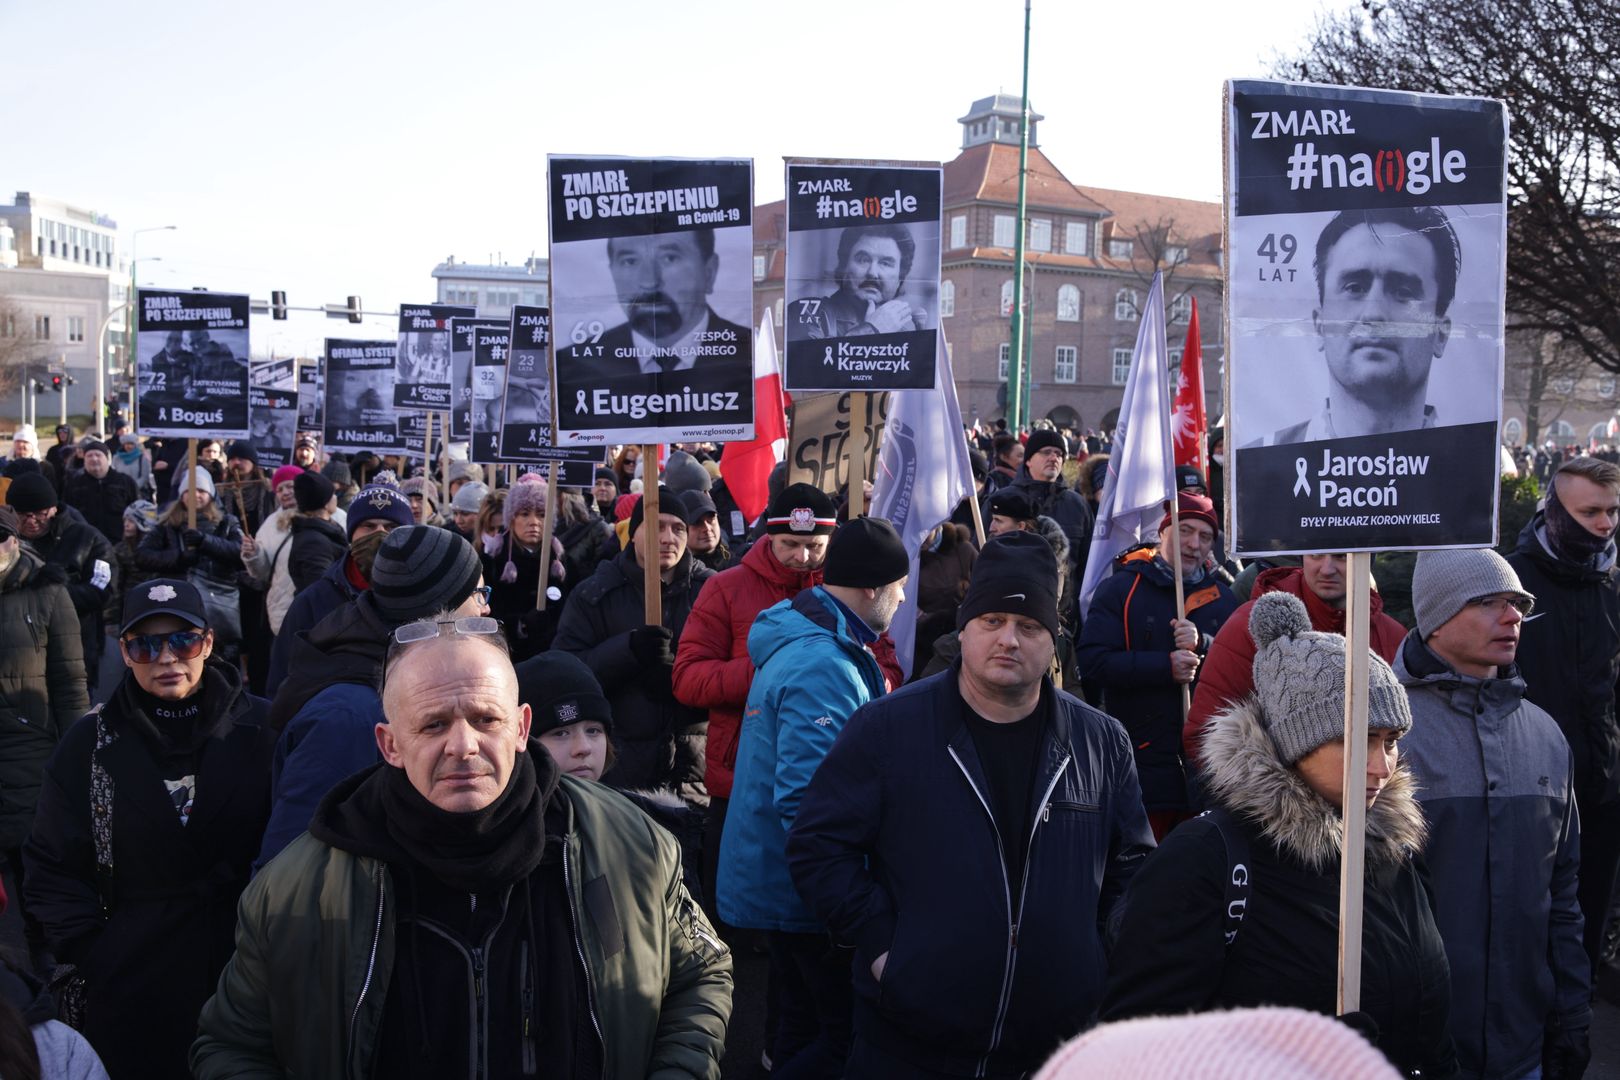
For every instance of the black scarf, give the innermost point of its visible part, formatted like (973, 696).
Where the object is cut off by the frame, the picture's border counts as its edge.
(497, 845)
(1571, 541)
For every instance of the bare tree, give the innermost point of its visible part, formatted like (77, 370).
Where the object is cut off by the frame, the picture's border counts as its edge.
(1547, 376)
(17, 345)
(1156, 247)
(1553, 63)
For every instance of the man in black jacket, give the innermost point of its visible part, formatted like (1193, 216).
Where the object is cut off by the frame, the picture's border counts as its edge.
(1040, 481)
(100, 492)
(970, 834)
(1569, 655)
(659, 741)
(63, 540)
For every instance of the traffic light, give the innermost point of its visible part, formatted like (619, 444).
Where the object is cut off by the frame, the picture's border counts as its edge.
(56, 383)
(354, 309)
(71, 381)
(278, 304)
(39, 387)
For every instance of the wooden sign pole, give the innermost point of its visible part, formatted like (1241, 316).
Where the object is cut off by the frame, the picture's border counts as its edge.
(444, 470)
(546, 530)
(857, 454)
(190, 481)
(1357, 568)
(654, 587)
(1181, 593)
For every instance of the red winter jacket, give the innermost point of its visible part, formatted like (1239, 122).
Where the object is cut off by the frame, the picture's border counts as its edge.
(1227, 673)
(712, 669)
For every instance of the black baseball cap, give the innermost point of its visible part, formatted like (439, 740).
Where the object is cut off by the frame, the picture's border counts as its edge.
(697, 503)
(164, 596)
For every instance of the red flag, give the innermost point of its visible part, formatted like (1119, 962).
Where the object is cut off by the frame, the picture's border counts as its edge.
(746, 466)
(1188, 424)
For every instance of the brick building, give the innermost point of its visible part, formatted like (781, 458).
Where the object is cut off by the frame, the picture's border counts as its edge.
(1089, 257)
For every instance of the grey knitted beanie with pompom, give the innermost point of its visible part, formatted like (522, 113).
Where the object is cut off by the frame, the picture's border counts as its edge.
(1299, 680)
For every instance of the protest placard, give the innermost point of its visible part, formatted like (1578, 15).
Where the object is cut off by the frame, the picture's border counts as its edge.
(311, 401)
(1365, 286)
(359, 409)
(422, 356)
(191, 366)
(862, 287)
(526, 433)
(273, 411)
(818, 440)
(491, 347)
(652, 296)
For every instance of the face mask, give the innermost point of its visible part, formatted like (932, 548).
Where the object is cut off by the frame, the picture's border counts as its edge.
(1569, 538)
(1219, 459)
(364, 552)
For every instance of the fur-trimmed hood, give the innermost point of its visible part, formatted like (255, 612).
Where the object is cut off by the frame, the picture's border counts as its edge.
(1246, 778)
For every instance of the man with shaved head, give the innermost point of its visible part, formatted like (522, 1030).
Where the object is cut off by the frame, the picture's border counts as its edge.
(462, 902)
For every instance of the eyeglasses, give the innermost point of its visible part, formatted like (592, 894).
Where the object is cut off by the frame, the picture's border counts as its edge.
(146, 648)
(1497, 605)
(475, 625)
(483, 592)
(31, 515)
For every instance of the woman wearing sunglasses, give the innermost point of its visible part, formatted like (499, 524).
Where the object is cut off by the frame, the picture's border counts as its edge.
(147, 825)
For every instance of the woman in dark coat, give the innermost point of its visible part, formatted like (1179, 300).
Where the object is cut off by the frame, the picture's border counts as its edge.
(214, 548)
(150, 816)
(1275, 774)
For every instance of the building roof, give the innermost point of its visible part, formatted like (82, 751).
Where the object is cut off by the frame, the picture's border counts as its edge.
(1192, 223)
(989, 173)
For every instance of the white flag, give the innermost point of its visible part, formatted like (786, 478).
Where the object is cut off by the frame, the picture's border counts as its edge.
(1141, 470)
(923, 472)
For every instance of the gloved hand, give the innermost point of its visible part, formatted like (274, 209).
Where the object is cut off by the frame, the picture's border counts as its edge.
(192, 539)
(1565, 1053)
(653, 647)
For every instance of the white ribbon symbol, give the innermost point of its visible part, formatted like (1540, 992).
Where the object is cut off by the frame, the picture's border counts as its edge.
(826, 357)
(1301, 482)
(579, 407)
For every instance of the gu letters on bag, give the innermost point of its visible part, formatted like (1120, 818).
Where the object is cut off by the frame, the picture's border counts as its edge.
(1366, 270)
(652, 299)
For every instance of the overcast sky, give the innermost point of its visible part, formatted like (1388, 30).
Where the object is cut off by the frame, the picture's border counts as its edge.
(329, 148)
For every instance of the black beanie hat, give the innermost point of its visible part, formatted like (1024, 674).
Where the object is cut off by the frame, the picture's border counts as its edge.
(1015, 573)
(1042, 438)
(243, 449)
(865, 554)
(559, 690)
(31, 493)
(669, 502)
(312, 491)
(420, 570)
(801, 510)
(607, 474)
(1010, 504)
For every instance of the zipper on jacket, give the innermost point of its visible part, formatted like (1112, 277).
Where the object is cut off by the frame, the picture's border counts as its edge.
(999, 1029)
(531, 1063)
(579, 951)
(480, 1009)
(371, 966)
(1012, 926)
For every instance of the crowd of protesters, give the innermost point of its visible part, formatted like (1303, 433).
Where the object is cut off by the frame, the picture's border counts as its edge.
(326, 769)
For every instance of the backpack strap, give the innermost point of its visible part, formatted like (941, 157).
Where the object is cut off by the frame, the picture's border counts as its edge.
(1237, 873)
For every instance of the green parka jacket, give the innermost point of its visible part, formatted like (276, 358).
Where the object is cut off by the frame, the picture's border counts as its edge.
(303, 995)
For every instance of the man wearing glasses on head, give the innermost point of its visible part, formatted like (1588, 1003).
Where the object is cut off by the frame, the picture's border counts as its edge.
(327, 706)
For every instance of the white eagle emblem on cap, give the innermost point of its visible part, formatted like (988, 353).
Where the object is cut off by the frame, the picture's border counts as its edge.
(802, 519)
(567, 713)
(161, 593)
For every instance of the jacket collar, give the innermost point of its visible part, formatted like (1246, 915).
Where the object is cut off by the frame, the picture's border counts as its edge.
(1419, 667)
(1246, 778)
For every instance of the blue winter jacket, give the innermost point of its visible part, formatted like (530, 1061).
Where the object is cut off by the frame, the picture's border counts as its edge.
(810, 675)
(323, 596)
(895, 847)
(330, 738)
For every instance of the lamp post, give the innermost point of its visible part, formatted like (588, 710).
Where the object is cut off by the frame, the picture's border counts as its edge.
(129, 326)
(1017, 388)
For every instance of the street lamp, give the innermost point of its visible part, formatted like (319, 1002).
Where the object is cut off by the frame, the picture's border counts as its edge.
(129, 325)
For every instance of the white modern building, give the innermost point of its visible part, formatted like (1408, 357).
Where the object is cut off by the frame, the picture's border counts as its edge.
(63, 280)
(494, 289)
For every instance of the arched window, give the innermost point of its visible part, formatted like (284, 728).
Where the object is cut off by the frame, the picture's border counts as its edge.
(1068, 304)
(1125, 305)
(1006, 298)
(947, 299)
